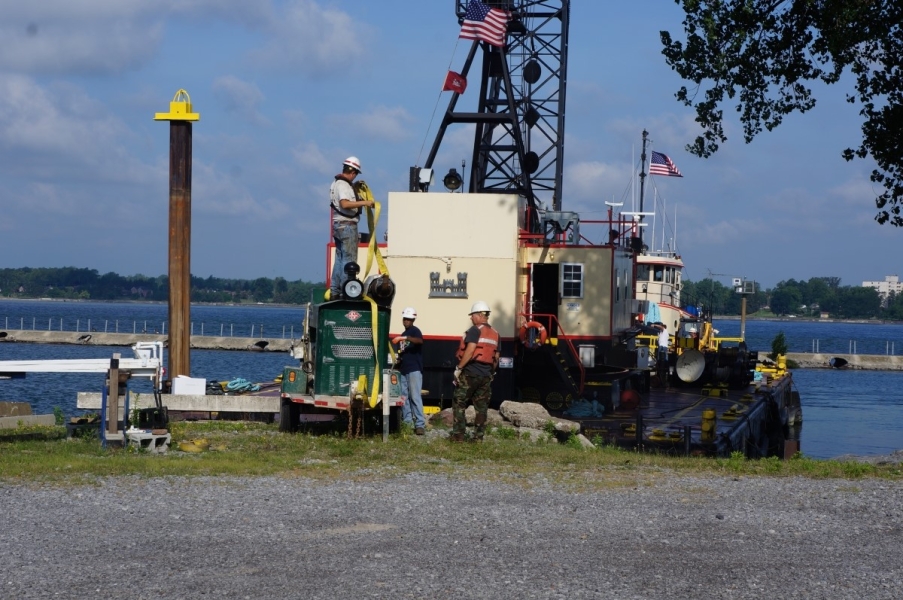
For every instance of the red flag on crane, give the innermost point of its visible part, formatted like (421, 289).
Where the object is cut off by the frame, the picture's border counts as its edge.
(454, 82)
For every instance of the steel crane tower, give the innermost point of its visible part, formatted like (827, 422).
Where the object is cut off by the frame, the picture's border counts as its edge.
(519, 121)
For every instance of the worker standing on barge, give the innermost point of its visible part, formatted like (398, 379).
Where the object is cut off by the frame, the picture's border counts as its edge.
(346, 212)
(478, 358)
(664, 342)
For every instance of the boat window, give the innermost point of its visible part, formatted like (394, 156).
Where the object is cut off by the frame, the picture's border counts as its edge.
(659, 274)
(571, 280)
(642, 272)
(668, 274)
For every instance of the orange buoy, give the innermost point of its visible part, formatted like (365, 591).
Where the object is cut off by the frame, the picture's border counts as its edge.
(532, 335)
(630, 399)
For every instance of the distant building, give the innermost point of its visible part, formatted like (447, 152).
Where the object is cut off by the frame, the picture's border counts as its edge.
(890, 284)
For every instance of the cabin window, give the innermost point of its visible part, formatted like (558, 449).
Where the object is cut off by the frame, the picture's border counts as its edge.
(642, 272)
(668, 275)
(571, 280)
(659, 274)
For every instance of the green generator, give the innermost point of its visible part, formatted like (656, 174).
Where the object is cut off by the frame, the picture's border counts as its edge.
(337, 348)
(343, 346)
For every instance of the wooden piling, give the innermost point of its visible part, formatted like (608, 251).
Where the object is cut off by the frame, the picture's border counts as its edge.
(180, 116)
(179, 248)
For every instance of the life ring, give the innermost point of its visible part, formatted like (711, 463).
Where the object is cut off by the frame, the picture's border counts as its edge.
(532, 335)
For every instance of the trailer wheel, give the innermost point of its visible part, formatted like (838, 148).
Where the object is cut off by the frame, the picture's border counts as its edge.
(289, 416)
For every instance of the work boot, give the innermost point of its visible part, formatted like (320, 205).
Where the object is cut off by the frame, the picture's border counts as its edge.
(479, 427)
(419, 431)
(456, 437)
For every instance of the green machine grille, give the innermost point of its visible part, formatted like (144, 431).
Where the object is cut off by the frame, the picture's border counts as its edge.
(344, 345)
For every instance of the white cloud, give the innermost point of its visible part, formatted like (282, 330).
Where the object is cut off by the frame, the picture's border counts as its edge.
(240, 98)
(310, 156)
(380, 123)
(74, 37)
(721, 233)
(313, 39)
(104, 36)
(60, 131)
(213, 193)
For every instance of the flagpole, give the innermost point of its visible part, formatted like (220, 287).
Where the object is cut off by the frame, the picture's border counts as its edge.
(642, 181)
(664, 221)
(632, 180)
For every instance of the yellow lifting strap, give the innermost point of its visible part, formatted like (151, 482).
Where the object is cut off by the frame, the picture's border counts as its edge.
(364, 193)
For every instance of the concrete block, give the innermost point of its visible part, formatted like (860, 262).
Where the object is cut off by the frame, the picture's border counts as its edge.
(189, 386)
(156, 444)
(14, 409)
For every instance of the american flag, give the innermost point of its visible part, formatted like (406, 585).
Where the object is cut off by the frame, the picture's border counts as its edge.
(662, 165)
(482, 23)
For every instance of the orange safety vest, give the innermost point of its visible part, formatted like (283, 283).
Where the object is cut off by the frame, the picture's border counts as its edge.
(487, 345)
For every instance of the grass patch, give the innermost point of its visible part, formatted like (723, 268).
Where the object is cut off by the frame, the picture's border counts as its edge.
(253, 449)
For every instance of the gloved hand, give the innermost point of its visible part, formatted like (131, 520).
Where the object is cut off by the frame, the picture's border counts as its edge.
(457, 376)
(397, 339)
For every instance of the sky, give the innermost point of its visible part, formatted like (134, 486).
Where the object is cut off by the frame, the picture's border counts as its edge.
(287, 89)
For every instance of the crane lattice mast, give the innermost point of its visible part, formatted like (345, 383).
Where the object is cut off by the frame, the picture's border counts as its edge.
(519, 119)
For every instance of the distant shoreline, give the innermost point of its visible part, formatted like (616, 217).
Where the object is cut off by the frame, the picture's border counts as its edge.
(154, 302)
(200, 342)
(810, 320)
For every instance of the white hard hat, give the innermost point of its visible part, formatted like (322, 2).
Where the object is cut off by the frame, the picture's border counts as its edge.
(479, 306)
(353, 162)
(409, 313)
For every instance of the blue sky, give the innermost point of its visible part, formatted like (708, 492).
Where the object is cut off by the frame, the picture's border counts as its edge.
(287, 89)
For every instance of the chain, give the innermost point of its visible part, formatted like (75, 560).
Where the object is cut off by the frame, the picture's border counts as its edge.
(350, 419)
(355, 409)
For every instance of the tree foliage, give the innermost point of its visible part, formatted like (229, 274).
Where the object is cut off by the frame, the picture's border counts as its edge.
(778, 346)
(88, 284)
(762, 56)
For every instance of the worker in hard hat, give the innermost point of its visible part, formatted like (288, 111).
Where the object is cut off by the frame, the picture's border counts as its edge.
(478, 358)
(410, 345)
(346, 212)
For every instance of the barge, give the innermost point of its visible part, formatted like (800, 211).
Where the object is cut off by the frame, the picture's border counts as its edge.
(579, 303)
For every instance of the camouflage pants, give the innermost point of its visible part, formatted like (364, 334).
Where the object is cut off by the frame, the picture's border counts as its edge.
(477, 390)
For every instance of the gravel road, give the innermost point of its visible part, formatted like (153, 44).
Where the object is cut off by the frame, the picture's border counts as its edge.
(429, 536)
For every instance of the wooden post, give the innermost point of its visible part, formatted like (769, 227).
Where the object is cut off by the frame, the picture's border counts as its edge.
(743, 316)
(179, 248)
(180, 118)
(113, 395)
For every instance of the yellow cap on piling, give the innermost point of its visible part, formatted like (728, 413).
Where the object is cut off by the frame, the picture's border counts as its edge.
(179, 109)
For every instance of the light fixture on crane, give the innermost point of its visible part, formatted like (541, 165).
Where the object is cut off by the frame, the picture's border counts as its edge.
(452, 180)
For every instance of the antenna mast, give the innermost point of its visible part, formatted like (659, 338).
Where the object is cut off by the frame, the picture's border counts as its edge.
(643, 183)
